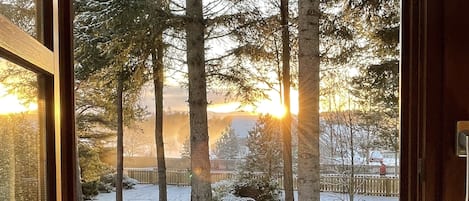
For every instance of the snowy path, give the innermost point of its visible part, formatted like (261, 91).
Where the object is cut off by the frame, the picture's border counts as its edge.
(148, 192)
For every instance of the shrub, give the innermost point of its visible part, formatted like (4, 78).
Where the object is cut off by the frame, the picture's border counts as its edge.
(104, 187)
(260, 189)
(91, 166)
(223, 191)
(89, 190)
(128, 183)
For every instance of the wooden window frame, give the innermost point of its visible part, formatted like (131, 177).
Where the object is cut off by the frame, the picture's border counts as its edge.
(53, 60)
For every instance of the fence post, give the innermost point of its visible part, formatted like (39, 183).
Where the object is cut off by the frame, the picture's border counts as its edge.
(388, 187)
(365, 186)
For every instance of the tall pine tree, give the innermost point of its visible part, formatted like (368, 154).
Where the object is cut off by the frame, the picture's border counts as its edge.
(227, 146)
(200, 163)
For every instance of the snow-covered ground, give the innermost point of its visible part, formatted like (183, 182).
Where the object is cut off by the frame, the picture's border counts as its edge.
(149, 192)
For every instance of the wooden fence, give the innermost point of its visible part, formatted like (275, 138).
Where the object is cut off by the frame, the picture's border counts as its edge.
(362, 184)
(173, 177)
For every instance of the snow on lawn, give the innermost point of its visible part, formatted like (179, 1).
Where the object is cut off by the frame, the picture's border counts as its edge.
(149, 192)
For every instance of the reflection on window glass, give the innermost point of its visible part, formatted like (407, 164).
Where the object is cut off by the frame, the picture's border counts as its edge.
(21, 135)
(22, 13)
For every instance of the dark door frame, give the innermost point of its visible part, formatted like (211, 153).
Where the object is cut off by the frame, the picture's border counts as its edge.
(421, 99)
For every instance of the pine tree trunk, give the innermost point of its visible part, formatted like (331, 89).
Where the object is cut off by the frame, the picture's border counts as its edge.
(157, 59)
(200, 163)
(286, 126)
(308, 117)
(120, 138)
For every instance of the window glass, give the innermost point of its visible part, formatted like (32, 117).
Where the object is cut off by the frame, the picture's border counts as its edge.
(22, 164)
(354, 134)
(22, 13)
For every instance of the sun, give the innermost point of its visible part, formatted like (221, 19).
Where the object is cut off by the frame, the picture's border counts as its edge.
(273, 108)
(10, 104)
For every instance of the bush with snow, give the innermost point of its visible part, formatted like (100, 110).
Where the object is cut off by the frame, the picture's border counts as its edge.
(104, 187)
(231, 197)
(257, 187)
(89, 190)
(223, 191)
(128, 183)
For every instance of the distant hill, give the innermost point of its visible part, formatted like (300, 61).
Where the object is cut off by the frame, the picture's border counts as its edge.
(243, 124)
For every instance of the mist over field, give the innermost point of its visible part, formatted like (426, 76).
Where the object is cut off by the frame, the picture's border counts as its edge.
(139, 140)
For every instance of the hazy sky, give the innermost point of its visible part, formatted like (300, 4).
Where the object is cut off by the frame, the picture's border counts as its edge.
(175, 99)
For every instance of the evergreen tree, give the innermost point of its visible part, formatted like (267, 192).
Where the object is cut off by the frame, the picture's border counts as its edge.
(186, 149)
(264, 159)
(24, 14)
(377, 86)
(91, 167)
(264, 144)
(227, 146)
(253, 66)
(123, 59)
(364, 36)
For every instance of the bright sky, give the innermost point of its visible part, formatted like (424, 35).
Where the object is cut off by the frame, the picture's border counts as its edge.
(272, 106)
(175, 98)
